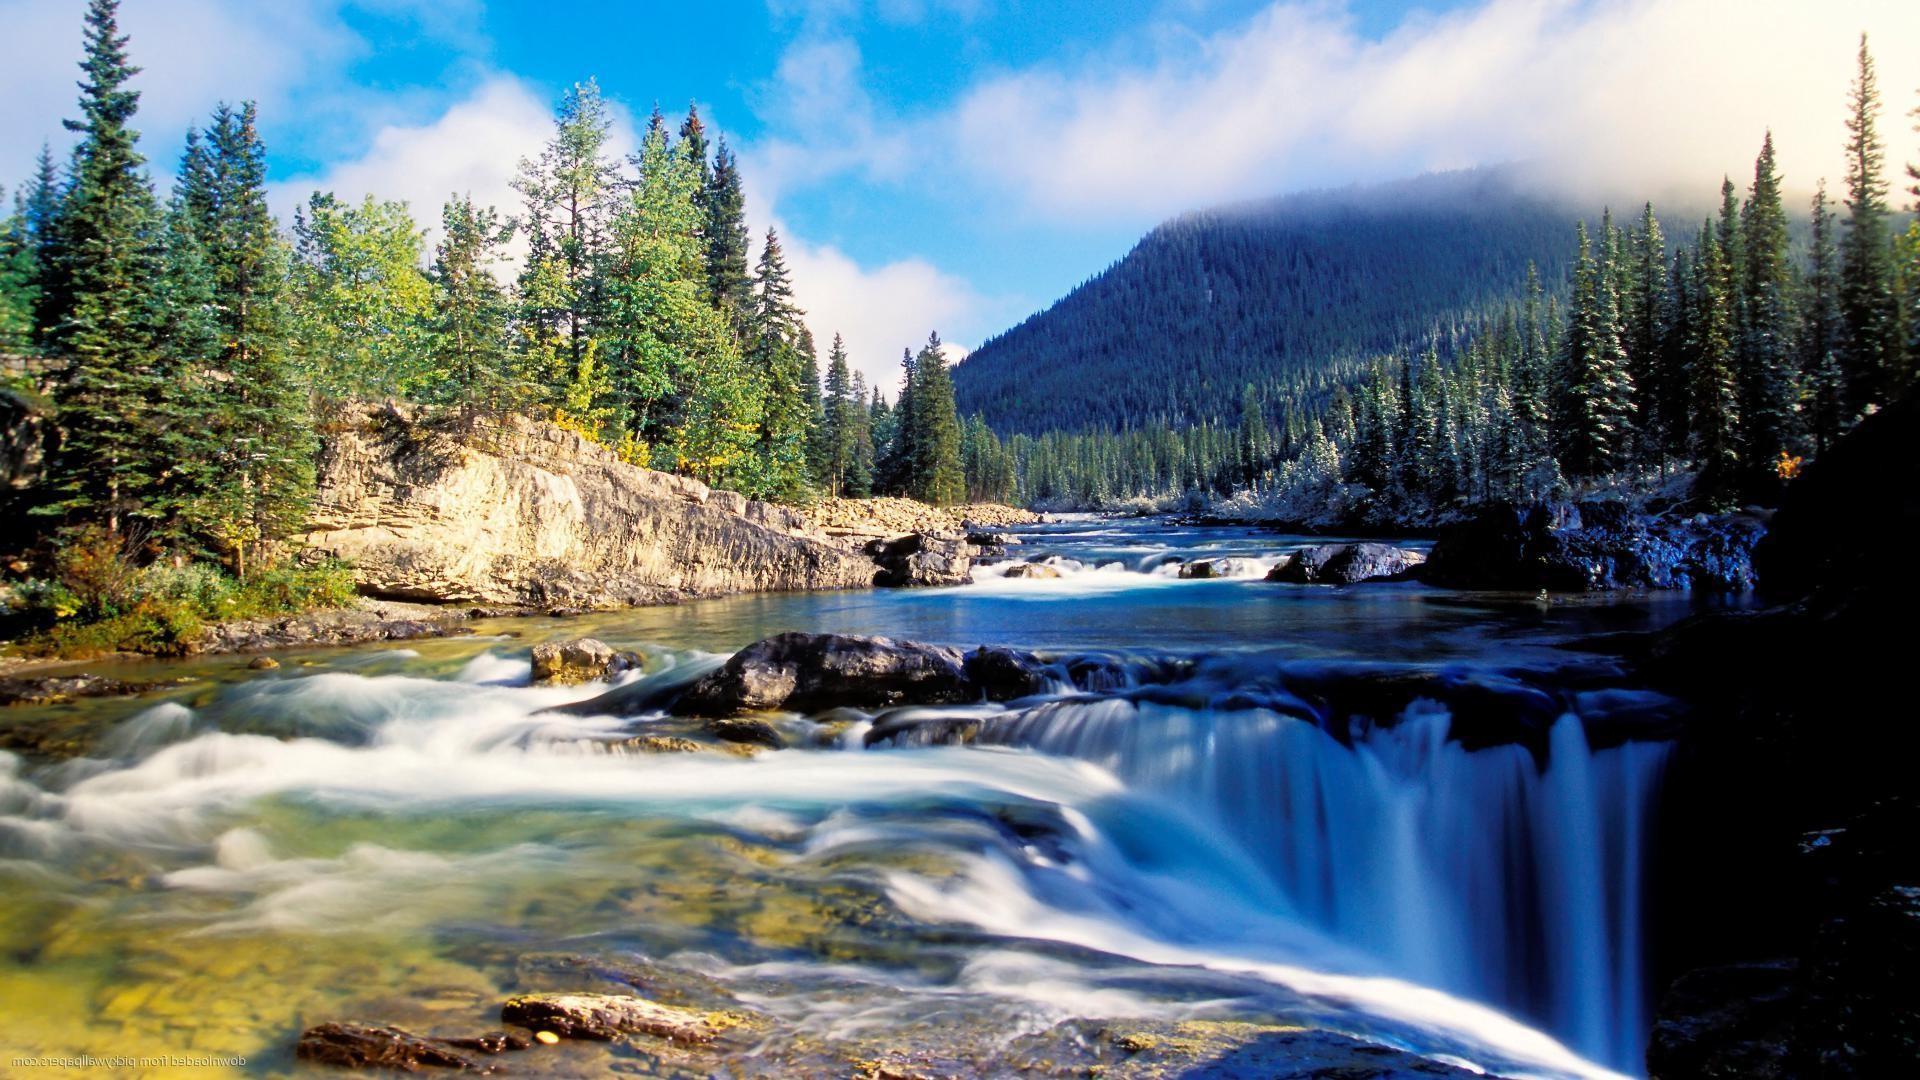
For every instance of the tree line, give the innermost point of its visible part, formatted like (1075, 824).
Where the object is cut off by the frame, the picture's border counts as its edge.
(1730, 357)
(193, 346)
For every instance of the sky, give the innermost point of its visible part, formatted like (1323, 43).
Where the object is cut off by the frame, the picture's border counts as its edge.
(955, 165)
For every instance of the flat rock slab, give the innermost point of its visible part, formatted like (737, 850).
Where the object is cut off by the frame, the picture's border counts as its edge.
(360, 1046)
(605, 1017)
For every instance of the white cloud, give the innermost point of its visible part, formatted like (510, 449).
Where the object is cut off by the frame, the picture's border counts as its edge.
(195, 53)
(1611, 96)
(473, 148)
(877, 310)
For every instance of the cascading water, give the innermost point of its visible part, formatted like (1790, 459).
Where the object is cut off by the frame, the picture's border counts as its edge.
(1488, 873)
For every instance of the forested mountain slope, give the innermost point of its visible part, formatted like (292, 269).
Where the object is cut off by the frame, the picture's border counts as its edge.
(1292, 295)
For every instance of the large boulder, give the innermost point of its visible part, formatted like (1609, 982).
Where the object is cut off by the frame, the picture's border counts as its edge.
(1345, 564)
(812, 672)
(1218, 568)
(605, 1017)
(1594, 546)
(580, 660)
(922, 559)
(804, 672)
(428, 506)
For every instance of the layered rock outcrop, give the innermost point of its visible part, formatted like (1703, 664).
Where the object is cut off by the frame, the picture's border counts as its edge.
(511, 511)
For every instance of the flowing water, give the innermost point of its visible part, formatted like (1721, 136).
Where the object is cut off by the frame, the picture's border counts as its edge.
(1224, 822)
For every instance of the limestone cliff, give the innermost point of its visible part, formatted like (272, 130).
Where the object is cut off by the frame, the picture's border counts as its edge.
(431, 506)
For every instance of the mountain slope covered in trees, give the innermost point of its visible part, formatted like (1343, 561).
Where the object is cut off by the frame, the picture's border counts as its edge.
(1291, 295)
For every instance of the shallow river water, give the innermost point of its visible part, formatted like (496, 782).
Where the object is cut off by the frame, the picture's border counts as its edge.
(409, 834)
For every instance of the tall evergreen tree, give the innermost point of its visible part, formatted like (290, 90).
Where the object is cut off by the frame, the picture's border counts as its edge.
(19, 279)
(1597, 390)
(1766, 344)
(781, 368)
(1644, 314)
(1820, 332)
(40, 221)
(937, 477)
(724, 229)
(571, 192)
(106, 262)
(1713, 374)
(471, 362)
(1868, 306)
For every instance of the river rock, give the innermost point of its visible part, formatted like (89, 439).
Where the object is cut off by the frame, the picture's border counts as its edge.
(921, 559)
(1345, 564)
(359, 1046)
(1218, 568)
(809, 672)
(581, 660)
(59, 689)
(429, 506)
(1594, 546)
(982, 538)
(1001, 674)
(605, 1017)
(1036, 571)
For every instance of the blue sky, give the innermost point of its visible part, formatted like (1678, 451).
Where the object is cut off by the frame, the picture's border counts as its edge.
(956, 164)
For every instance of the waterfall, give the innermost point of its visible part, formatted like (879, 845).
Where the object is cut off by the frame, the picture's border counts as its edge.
(1495, 874)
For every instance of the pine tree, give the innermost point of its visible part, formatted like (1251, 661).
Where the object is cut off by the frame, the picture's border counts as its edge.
(840, 428)
(724, 228)
(19, 280)
(1868, 306)
(1766, 345)
(40, 221)
(693, 144)
(777, 364)
(107, 258)
(571, 191)
(471, 362)
(1645, 314)
(1597, 389)
(256, 431)
(1256, 437)
(1821, 328)
(1714, 377)
(896, 451)
(859, 476)
(937, 477)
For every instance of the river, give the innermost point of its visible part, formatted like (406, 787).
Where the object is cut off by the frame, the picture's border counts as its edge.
(409, 834)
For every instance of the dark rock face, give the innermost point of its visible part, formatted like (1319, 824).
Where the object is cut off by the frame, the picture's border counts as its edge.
(1594, 546)
(1773, 801)
(921, 559)
(1345, 564)
(1003, 674)
(580, 660)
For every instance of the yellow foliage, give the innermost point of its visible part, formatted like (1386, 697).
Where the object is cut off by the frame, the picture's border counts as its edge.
(1788, 467)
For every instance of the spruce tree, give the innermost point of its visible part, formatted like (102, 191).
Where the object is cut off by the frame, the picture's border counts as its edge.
(937, 477)
(1820, 328)
(1868, 306)
(859, 476)
(779, 366)
(471, 364)
(1645, 317)
(40, 221)
(106, 264)
(724, 230)
(1766, 345)
(19, 284)
(571, 191)
(1597, 390)
(839, 428)
(1714, 376)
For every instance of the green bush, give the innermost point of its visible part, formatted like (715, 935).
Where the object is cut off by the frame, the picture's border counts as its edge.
(99, 601)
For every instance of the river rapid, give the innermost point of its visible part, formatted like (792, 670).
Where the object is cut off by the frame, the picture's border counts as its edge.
(410, 834)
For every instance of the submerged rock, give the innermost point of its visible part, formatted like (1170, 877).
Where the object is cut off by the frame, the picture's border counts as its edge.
(359, 1046)
(605, 1017)
(1345, 564)
(580, 660)
(1036, 571)
(59, 689)
(921, 559)
(1594, 546)
(1218, 568)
